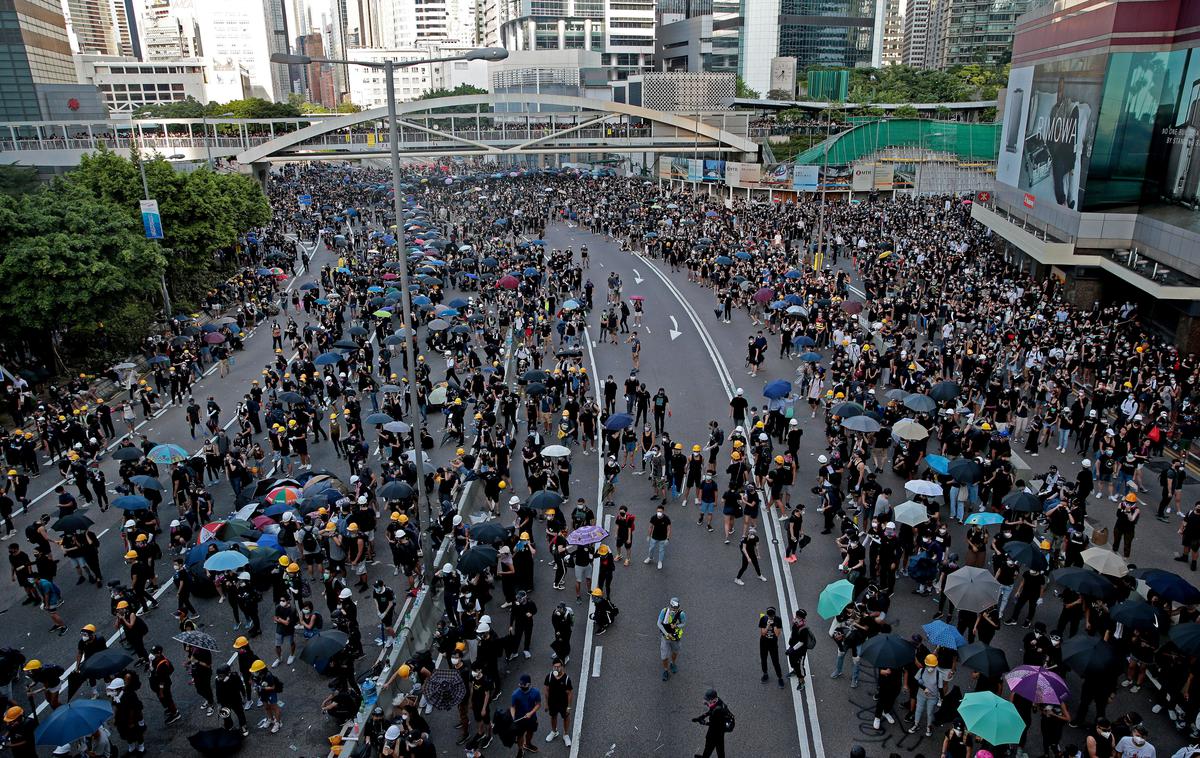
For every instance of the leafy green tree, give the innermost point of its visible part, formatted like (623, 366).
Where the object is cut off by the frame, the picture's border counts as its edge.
(462, 89)
(17, 180)
(906, 111)
(743, 90)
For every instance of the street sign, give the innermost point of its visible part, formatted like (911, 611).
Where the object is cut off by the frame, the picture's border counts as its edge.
(151, 220)
(305, 199)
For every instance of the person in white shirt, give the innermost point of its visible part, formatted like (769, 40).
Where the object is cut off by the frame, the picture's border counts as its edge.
(1136, 745)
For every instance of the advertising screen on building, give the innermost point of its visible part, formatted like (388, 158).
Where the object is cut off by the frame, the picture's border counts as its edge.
(1049, 125)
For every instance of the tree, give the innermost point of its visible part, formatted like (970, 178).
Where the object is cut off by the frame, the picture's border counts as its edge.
(742, 90)
(17, 180)
(780, 94)
(462, 89)
(906, 111)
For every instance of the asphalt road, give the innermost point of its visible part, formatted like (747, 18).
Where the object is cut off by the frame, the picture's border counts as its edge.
(628, 709)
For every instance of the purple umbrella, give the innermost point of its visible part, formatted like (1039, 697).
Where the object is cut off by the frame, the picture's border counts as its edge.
(1037, 684)
(587, 535)
(214, 338)
(764, 295)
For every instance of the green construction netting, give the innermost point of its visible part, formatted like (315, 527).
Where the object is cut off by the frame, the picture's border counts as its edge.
(973, 142)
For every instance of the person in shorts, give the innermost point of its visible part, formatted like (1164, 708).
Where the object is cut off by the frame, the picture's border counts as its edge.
(286, 621)
(707, 491)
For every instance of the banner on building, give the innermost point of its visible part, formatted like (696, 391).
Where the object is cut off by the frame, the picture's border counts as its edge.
(804, 178)
(695, 170)
(863, 178)
(777, 176)
(714, 171)
(743, 175)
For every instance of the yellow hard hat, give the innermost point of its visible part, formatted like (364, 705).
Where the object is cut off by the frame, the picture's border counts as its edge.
(460, 646)
(779, 459)
(566, 414)
(131, 555)
(550, 511)
(404, 671)
(695, 448)
(33, 665)
(142, 538)
(122, 605)
(1131, 498)
(293, 568)
(89, 628)
(931, 660)
(333, 417)
(678, 445)
(13, 713)
(737, 444)
(985, 426)
(603, 550)
(352, 527)
(524, 535)
(403, 518)
(257, 666)
(284, 561)
(503, 484)
(736, 456)
(597, 592)
(839, 395)
(330, 526)
(459, 451)
(240, 643)
(395, 517)
(12, 472)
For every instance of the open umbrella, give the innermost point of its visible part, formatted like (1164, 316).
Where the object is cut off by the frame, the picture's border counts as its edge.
(862, 424)
(937, 463)
(1037, 684)
(618, 421)
(555, 451)
(167, 454)
(478, 559)
(991, 717)
(226, 560)
(127, 453)
(834, 598)
(1085, 581)
(72, 721)
(1023, 502)
(777, 389)
(146, 482)
(397, 427)
(920, 403)
(907, 429)
(1170, 586)
(216, 742)
(1186, 637)
(941, 634)
(105, 664)
(965, 470)
(587, 535)
(847, 409)
(1105, 561)
(988, 661)
(972, 589)
(131, 503)
(888, 651)
(923, 487)
(444, 689)
(72, 522)
(396, 490)
(1091, 656)
(1027, 554)
(285, 495)
(324, 646)
(911, 513)
(543, 499)
(378, 418)
(944, 391)
(488, 532)
(198, 639)
(987, 518)
(1136, 614)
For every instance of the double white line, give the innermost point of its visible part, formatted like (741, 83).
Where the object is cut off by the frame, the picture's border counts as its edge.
(807, 723)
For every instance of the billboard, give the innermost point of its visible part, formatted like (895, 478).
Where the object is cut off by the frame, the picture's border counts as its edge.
(695, 169)
(778, 176)
(714, 171)
(863, 177)
(804, 178)
(745, 175)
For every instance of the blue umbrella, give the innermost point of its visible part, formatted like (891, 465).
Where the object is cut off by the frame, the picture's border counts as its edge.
(742, 255)
(985, 519)
(73, 721)
(327, 359)
(226, 560)
(724, 260)
(167, 454)
(803, 340)
(779, 305)
(269, 540)
(938, 463)
(457, 302)
(198, 553)
(159, 359)
(941, 634)
(571, 304)
(618, 421)
(131, 503)
(777, 389)
(146, 482)
(310, 286)
(278, 509)
(793, 299)
(793, 274)
(810, 357)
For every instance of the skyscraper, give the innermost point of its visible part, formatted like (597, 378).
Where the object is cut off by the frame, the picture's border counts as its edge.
(167, 31)
(971, 31)
(37, 75)
(242, 34)
(916, 33)
(893, 34)
(621, 30)
(103, 27)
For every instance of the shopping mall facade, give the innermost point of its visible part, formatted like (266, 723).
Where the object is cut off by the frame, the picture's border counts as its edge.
(1098, 175)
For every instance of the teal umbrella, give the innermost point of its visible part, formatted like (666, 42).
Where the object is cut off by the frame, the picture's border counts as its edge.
(835, 598)
(991, 717)
(167, 454)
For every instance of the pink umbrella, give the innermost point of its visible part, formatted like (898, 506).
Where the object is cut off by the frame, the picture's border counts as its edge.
(389, 277)
(214, 338)
(853, 307)
(508, 282)
(1037, 684)
(261, 522)
(764, 295)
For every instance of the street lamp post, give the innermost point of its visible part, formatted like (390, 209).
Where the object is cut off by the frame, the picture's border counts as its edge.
(389, 67)
(162, 275)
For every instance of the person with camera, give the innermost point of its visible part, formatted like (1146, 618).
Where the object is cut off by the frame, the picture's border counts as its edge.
(1127, 518)
(719, 721)
(671, 621)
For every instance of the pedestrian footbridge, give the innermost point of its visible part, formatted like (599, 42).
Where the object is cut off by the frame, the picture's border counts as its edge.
(481, 126)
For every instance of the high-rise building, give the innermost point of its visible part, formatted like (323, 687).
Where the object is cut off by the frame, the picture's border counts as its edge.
(101, 27)
(622, 31)
(698, 36)
(243, 34)
(893, 34)
(972, 31)
(168, 32)
(916, 33)
(37, 75)
(316, 78)
(841, 33)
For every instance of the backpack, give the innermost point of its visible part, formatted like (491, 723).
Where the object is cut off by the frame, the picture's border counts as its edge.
(309, 542)
(730, 721)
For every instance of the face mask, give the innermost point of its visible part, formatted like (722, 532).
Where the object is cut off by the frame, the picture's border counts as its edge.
(1139, 741)
(456, 660)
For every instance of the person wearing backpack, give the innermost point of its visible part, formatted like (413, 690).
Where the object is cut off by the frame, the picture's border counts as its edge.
(800, 641)
(719, 720)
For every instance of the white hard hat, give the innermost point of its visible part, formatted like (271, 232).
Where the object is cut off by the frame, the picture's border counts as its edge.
(458, 520)
(740, 392)
(130, 524)
(392, 733)
(514, 500)
(354, 479)
(288, 516)
(447, 568)
(174, 523)
(1086, 463)
(362, 499)
(117, 684)
(244, 576)
(483, 627)
(345, 594)
(822, 459)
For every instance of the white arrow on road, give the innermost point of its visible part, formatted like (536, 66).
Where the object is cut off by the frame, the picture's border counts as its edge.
(637, 277)
(675, 329)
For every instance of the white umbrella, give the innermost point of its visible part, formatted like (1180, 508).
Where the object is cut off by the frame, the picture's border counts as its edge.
(555, 451)
(923, 487)
(911, 513)
(437, 396)
(908, 429)
(1105, 561)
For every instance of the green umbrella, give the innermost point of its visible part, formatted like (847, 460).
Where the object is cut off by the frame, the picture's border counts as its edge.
(835, 598)
(992, 718)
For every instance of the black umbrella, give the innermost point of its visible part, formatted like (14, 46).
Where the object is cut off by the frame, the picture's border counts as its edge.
(543, 499)
(1022, 501)
(396, 490)
(1091, 656)
(444, 689)
(291, 397)
(920, 403)
(324, 646)
(488, 533)
(74, 522)
(987, 660)
(1186, 637)
(944, 391)
(888, 651)
(216, 742)
(127, 453)
(478, 559)
(847, 409)
(965, 470)
(535, 375)
(535, 389)
(105, 663)
(1136, 614)
(1026, 554)
(1086, 582)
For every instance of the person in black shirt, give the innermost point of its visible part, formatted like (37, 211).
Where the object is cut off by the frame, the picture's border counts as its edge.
(558, 692)
(717, 718)
(286, 619)
(1029, 593)
(770, 628)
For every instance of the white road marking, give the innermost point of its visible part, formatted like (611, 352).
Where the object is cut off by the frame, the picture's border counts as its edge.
(596, 663)
(637, 277)
(675, 333)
